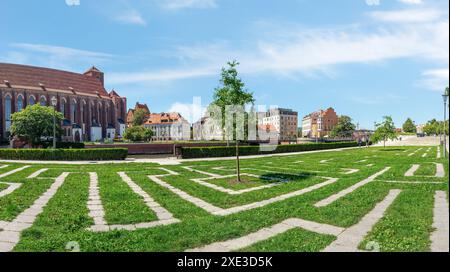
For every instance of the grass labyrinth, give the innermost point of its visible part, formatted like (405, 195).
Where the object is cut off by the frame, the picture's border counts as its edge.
(393, 199)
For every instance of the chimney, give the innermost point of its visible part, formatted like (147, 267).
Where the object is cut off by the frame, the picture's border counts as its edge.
(96, 73)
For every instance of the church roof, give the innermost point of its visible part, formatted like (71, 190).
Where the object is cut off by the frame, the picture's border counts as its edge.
(52, 79)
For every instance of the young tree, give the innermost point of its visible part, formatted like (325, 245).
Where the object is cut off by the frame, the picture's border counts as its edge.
(384, 131)
(231, 93)
(35, 122)
(409, 126)
(344, 127)
(139, 117)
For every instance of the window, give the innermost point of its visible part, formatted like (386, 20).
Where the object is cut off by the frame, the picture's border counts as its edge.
(31, 101)
(8, 112)
(19, 103)
(43, 101)
(73, 111)
(63, 107)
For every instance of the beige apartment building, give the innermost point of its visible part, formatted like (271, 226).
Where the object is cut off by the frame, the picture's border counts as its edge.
(319, 124)
(285, 122)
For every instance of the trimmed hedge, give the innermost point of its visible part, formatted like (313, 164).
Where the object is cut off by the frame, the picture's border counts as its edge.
(224, 151)
(97, 154)
(63, 145)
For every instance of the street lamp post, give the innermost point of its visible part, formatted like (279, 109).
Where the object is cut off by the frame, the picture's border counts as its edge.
(54, 103)
(445, 97)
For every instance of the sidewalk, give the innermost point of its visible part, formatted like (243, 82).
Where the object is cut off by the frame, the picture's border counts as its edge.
(172, 160)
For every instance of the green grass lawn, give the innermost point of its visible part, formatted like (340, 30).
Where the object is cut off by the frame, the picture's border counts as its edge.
(406, 225)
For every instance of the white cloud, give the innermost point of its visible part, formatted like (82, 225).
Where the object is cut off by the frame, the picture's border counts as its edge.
(159, 75)
(411, 2)
(180, 4)
(131, 17)
(407, 16)
(54, 56)
(307, 52)
(191, 112)
(436, 79)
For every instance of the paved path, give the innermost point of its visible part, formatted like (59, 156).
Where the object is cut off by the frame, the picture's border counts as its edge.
(223, 212)
(10, 234)
(439, 238)
(333, 198)
(97, 212)
(347, 240)
(173, 160)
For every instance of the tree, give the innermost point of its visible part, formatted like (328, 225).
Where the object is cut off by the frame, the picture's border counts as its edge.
(384, 131)
(231, 93)
(344, 127)
(139, 117)
(138, 134)
(409, 126)
(34, 123)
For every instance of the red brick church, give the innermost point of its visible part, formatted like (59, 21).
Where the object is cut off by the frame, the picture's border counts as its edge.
(91, 113)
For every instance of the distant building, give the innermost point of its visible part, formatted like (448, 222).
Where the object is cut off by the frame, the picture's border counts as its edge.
(130, 113)
(285, 122)
(168, 127)
(420, 129)
(206, 129)
(319, 124)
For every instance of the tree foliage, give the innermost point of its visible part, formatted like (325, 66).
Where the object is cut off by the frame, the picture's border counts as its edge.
(232, 92)
(138, 134)
(34, 123)
(344, 127)
(139, 117)
(435, 127)
(409, 126)
(384, 131)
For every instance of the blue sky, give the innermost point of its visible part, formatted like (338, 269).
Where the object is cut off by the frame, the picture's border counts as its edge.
(365, 58)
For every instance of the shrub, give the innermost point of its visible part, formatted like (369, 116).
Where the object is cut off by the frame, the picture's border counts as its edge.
(138, 134)
(224, 151)
(63, 145)
(94, 154)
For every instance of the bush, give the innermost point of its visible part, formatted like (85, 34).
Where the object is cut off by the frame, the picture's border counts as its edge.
(63, 145)
(138, 134)
(224, 151)
(94, 154)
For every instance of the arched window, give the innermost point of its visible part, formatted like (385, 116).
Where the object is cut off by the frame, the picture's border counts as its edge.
(31, 100)
(73, 111)
(43, 101)
(19, 103)
(63, 107)
(83, 104)
(99, 110)
(8, 112)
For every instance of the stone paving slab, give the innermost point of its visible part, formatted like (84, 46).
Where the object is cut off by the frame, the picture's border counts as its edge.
(333, 198)
(10, 234)
(97, 213)
(267, 233)
(11, 188)
(223, 212)
(349, 239)
(440, 236)
(14, 171)
(37, 173)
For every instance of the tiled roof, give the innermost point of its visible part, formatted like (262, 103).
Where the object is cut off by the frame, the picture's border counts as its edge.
(30, 76)
(164, 118)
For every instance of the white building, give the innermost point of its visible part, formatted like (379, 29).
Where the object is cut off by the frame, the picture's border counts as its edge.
(206, 129)
(168, 127)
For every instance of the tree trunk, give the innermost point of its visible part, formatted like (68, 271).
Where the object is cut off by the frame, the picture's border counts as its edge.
(238, 167)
